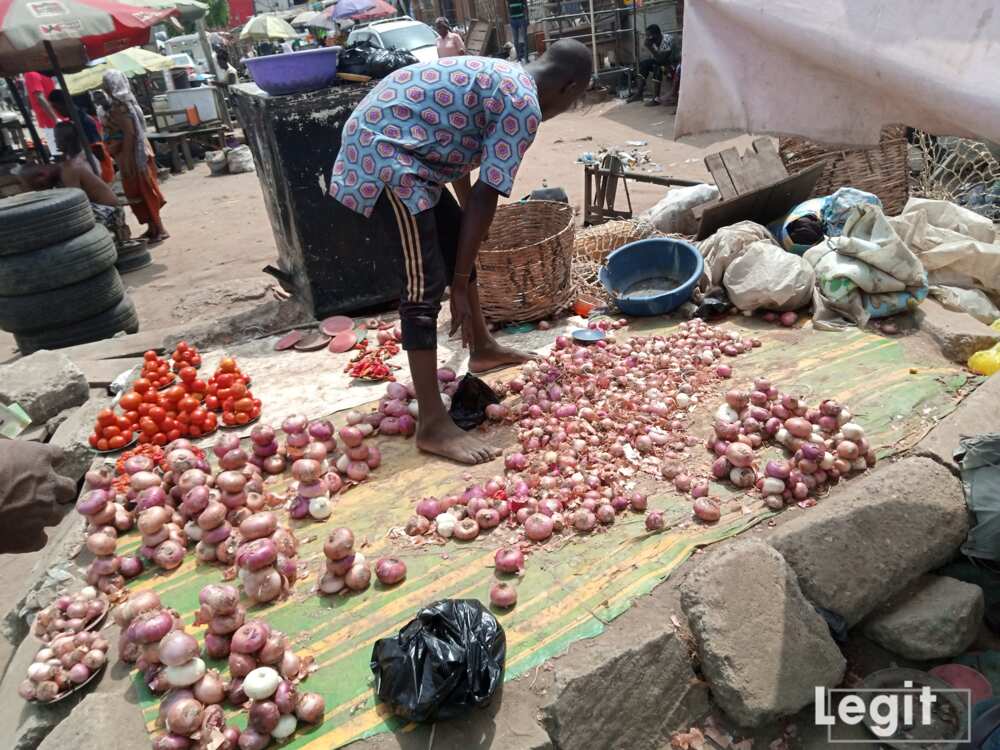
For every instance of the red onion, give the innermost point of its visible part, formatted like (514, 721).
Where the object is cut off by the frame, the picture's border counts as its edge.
(467, 529)
(798, 427)
(209, 689)
(788, 319)
(848, 450)
(351, 436)
(184, 717)
(509, 560)
(358, 577)
(256, 554)
(724, 371)
(169, 555)
(92, 502)
(100, 478)
(258, 525)
(638, 502)
(778, 469)
(707, 510)
(339, 544)
(700, 489)
(538, 527)
(390, 570)
(216, 646)
(428, 508)
(264, 716)
(516, 461)
(417, 526)
(654, 520)
(812, 452)
(251, 739)
(584, 520)
(250, 638)
(488, 518)
(740, 455)
(503, 595)
(310, 708)
(177, 648)
(171, 742)
(130, 566)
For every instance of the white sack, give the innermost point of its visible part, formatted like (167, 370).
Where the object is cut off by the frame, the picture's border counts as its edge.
(766, 277)
(673, 212)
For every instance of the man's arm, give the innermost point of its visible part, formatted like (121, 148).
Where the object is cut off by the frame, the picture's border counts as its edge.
(476, 220)
(97, 190)
(43, 102)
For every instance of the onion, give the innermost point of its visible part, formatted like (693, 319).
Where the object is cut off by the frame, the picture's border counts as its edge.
(637, 501)
(466, 530)
(743, 477)
(584, 520)
(772, 486)
(264, 715)
(351, 436)
(721, 467)
(262, 585)
(778, 469)
(92, 502)
(503, 595)
(177, 648)
(286, 697)
(100, 478)
(79, 673)
(216, 646)
(798, 427)
(256, 554)
(417, 526)
(184, 717)
(250, 638)
(446, 374)
(516, 461)
(707, 510)
(251, 739)
(538, 527)
(261, 683)
(852, 431)
(185, 674)
(150, 626)
(788, 319)
(739, 455)
(310, 708)
(654, 520)
(428, 508)
(210, 689)
(389, 570)
(509, 560)
(358, 577)
(272, 465)
(259, 525)
(848, 450)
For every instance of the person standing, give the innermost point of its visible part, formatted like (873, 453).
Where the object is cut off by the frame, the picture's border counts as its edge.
(125, 133)
(421, 128)
(449, 43)
(37, 87)
(518, 11)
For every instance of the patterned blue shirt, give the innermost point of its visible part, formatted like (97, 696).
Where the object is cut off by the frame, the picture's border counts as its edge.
(431, 123)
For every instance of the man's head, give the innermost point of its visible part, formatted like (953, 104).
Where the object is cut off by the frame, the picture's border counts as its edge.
(653, 34)
(562, 75)
(67, 139)
(442, 26)
(59, 100)
(37, 176)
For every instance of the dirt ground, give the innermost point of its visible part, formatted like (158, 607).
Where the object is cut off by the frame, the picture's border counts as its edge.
(221, 237)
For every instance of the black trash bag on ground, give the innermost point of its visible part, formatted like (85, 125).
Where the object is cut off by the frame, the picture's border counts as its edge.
(713, 305)
(354, 59)
(468, 405)
(382, 62)
(449, 659)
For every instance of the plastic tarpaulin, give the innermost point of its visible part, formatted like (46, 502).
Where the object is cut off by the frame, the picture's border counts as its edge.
(836, 72)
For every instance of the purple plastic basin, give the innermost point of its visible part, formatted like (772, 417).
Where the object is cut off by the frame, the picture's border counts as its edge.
(294, 72)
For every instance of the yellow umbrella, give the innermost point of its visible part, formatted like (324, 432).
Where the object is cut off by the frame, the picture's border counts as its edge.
(265, 26)
(134, 61)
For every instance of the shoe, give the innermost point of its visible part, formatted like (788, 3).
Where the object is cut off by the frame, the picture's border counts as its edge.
(637, 97)
(654, 102)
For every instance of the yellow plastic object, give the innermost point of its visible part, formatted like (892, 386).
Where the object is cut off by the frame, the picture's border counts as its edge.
(987, 361)
(995, 325)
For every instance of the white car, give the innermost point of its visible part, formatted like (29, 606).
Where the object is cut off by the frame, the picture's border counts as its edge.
(399, 33)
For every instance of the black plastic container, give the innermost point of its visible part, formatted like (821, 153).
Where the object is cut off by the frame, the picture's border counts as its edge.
(336, 259)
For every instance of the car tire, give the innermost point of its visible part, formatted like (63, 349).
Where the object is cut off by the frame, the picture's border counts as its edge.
(36, 313)
(104, 325)
(58, 265)
(133, 260)
(30, 221)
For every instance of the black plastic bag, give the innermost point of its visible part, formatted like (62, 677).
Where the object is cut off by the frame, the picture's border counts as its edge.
(382, 62)
(468, 405)
(354, 59)
(714, 304)
(449, 659)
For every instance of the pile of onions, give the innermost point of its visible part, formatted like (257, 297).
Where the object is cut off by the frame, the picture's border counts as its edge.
(276, 708)
(69, 614)
(106, 518)
(144, 625)
(179, 654)
(824, 444)
(358, 459)
(68, 661)
(164, 541)
(589, 420)
(222, 612)
(256, 646)
(266, 453)
(347, 570)
(100, 514)
(266, 557)
(312, 493)
(296, 437)
(180, 457)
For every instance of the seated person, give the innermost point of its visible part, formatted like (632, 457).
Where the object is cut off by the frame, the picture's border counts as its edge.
(665, 54)
(92, 128)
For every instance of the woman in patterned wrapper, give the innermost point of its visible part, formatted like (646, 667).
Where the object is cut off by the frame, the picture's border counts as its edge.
(419, 129)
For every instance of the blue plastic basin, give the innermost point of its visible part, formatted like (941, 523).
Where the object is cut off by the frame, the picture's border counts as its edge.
(652, 277)
(295, 72)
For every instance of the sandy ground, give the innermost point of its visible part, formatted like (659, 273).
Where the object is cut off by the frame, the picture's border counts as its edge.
(221, 236)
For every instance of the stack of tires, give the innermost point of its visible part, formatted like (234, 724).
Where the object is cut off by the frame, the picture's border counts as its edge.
(58, 282)
(132, 255)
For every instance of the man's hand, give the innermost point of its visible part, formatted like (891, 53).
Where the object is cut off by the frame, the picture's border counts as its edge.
(461, 311)
(31, 494)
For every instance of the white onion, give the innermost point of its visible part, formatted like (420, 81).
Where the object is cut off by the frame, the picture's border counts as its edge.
(852, 431)
(286, 726)
(261, 683)
(726, 413)
(445, 524)
(186, 674)
(320, 507)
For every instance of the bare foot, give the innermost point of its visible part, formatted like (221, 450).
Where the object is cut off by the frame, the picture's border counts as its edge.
(493, 356)
(445, 438)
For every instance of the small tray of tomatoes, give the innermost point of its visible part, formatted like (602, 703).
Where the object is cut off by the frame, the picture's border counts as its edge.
(185, 355)
(112, 432)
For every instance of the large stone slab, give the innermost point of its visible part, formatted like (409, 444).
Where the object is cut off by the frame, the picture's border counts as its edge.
(24, 725)
(937, 618)
(978, 413)
(764, 649)
(628, 689)
(957, 334)
(101, 721)
(43, 384)
(72, 436)
(873, 536)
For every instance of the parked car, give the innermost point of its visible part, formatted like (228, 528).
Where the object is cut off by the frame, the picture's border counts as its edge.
(184, 60)
(399, 33)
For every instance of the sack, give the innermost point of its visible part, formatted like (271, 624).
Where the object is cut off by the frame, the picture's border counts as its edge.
(240, 160)
(837, 206)
(382, 62)
(725, 246)
(765, 277)
(217, 162)
(449, 659)
(673, 213)
(971, 301)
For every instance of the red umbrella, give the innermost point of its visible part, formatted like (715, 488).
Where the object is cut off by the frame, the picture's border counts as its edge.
(381, 9)
(74, 30)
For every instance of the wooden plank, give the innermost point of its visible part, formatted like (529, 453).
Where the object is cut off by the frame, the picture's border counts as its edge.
(762, 205)
(740, 171)
(101, 372)
(771, 168)
(132, 345)
(713, 162)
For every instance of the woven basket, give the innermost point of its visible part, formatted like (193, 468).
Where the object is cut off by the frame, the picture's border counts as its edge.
(525, 266)
(881, 170)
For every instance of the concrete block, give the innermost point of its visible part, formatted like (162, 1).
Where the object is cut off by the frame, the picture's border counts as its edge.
(979, 412)
(73, 434)
(957, 334)
(43, 384)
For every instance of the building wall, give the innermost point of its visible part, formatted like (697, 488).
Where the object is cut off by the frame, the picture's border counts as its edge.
(240, 11)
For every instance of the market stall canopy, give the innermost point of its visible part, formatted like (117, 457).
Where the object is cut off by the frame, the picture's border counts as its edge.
(132, 62)
(360, 10)
(187, 10)
(838, 72)
(264, 27)
(78, 30)
(306, 18)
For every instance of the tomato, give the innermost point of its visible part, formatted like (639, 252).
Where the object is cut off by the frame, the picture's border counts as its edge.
(228, 417)
(130, 401)
(93, 440)
(116, 442)
(105, 417)
(148, 426)
(173, 435)
(157, 414)
(198, 415)
(188, 404)
(228, 364)
(182, 345)
(195, 431)
(211, 422)
(242, 417)
(141, 385)
(110, 431)
(102, 444)
(149, 355)
(227, 405)
(174, 393)
(197, 386)
(212, 402)
(243, 405)
(184, 417)
(159, 439)
(238, 389)
(177, 357)
(188, 374)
